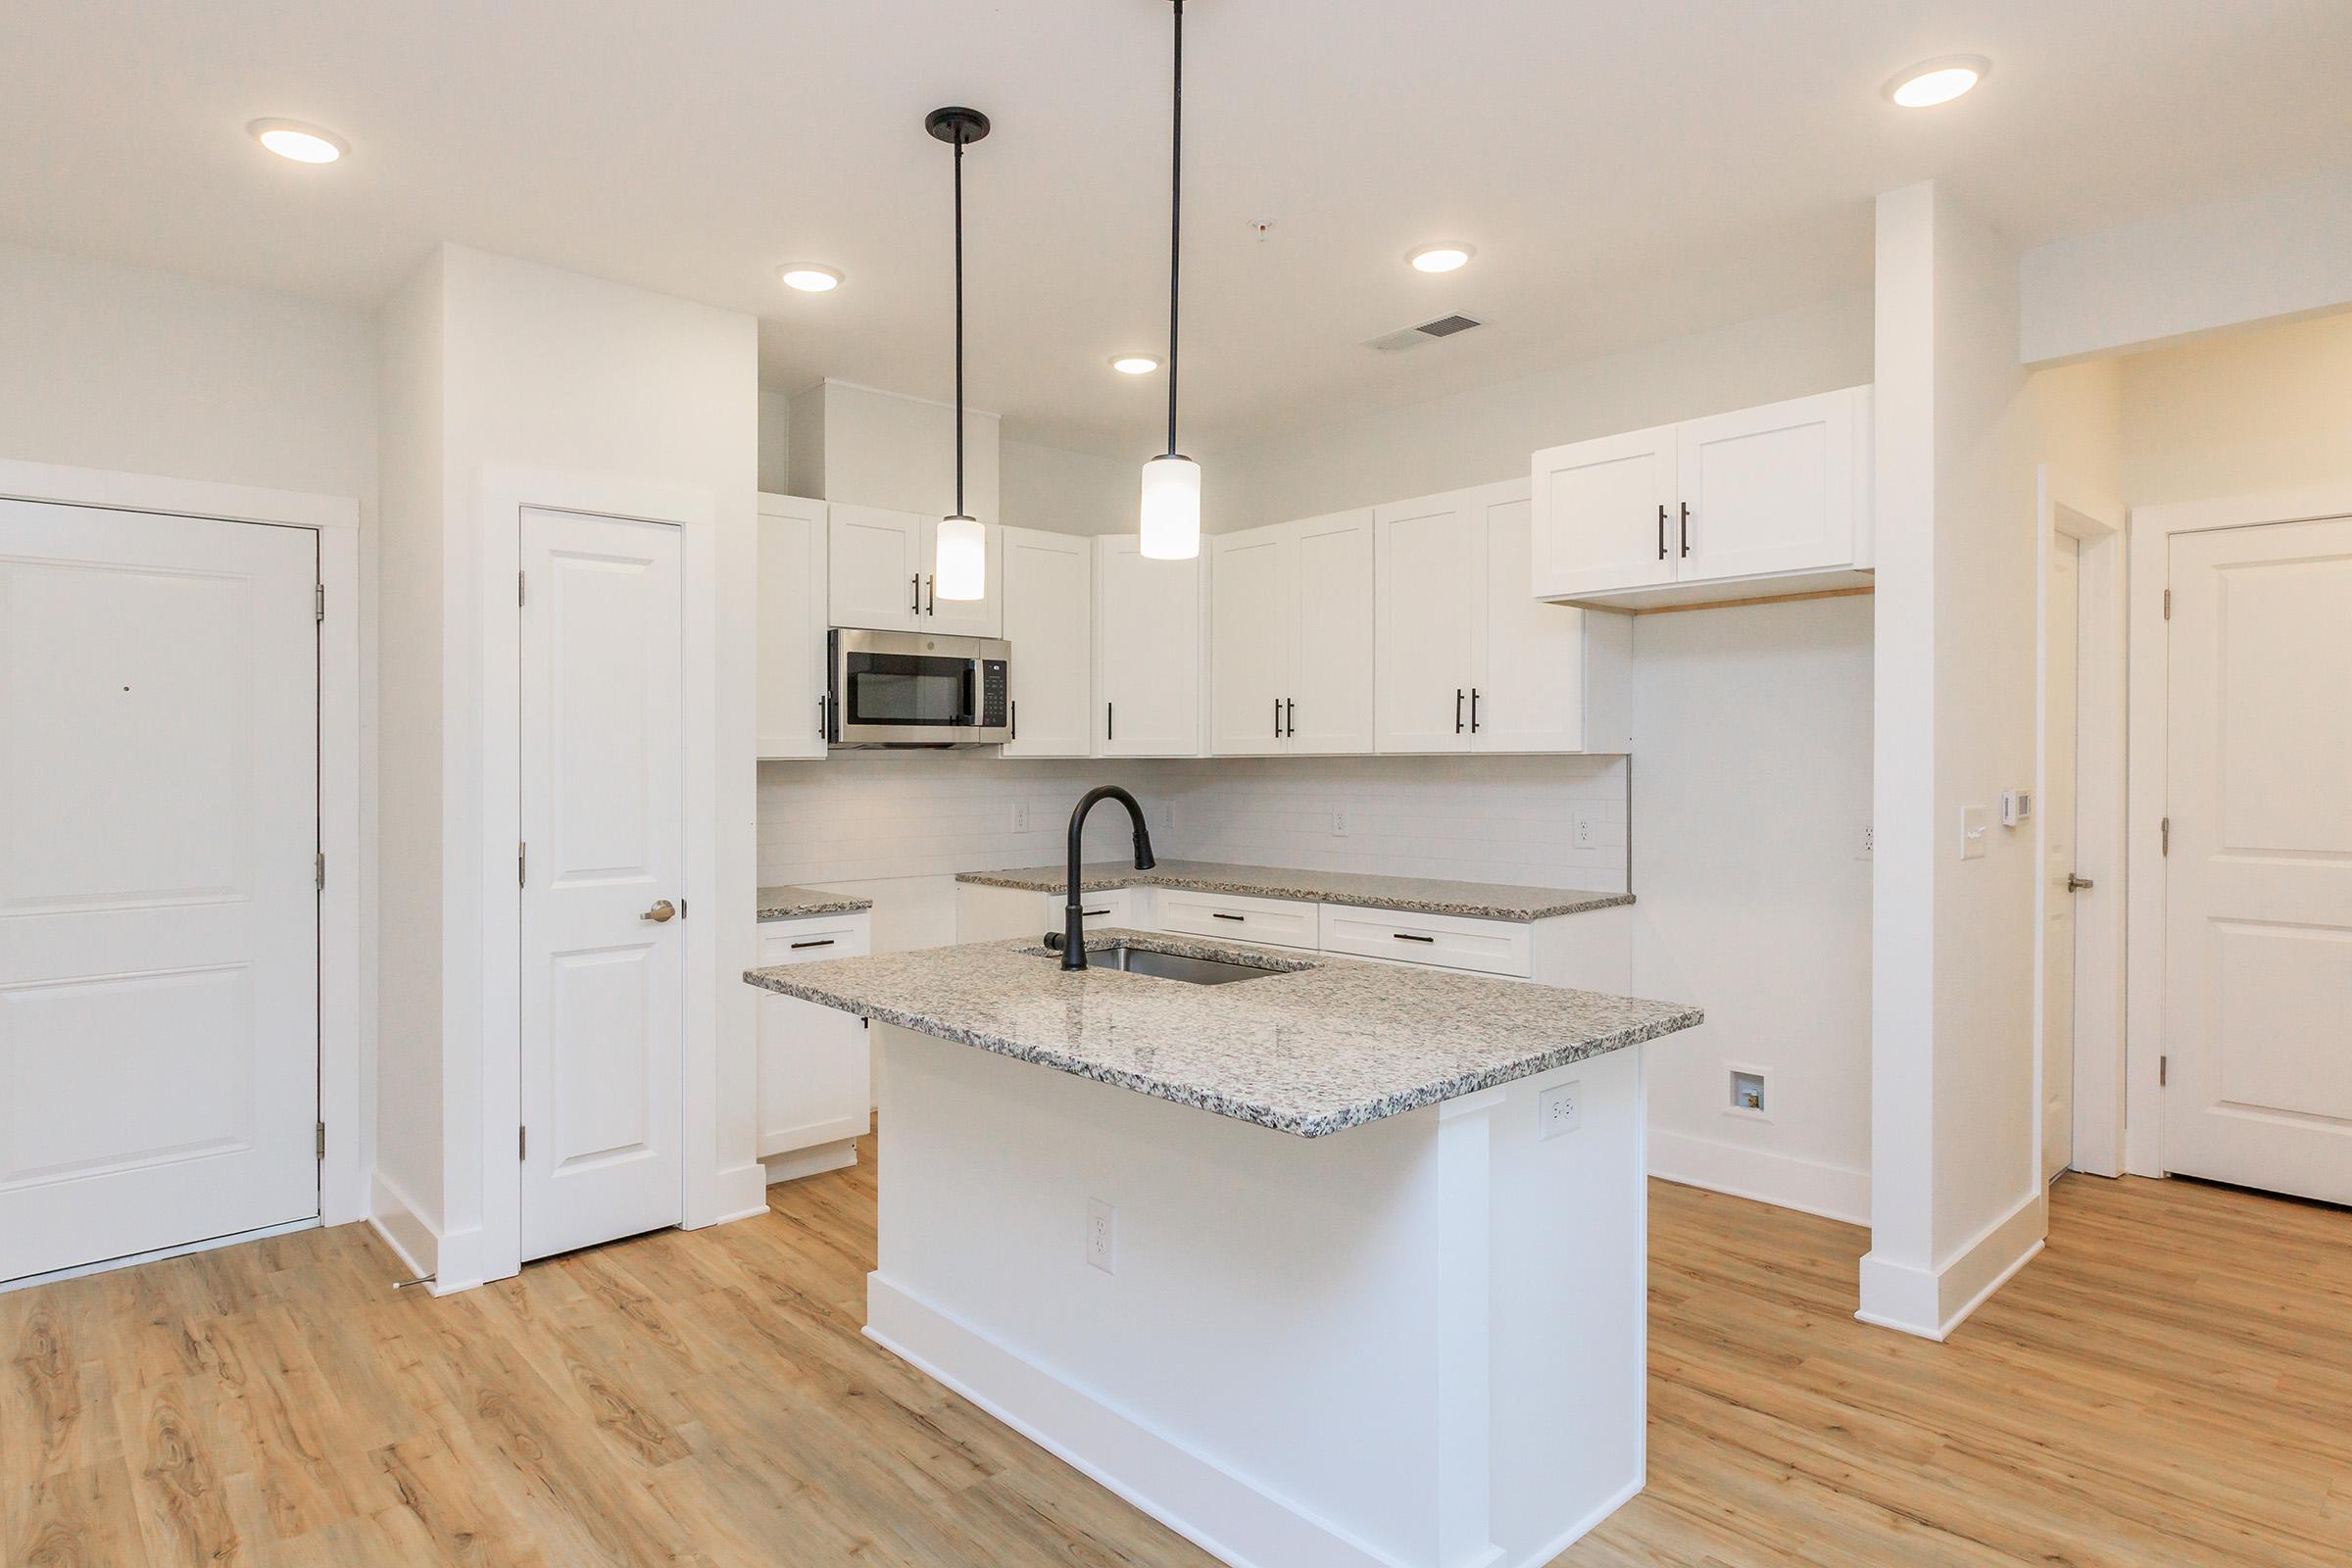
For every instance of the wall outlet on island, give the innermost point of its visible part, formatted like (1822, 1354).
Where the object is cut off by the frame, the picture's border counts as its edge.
(1101, 1235)
(1560, 1109)
(1339, 824)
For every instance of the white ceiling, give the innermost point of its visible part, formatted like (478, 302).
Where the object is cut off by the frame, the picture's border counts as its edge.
(1627, 171)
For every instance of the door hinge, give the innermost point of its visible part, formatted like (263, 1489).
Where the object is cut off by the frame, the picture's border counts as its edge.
(2164, 831)
(522, 1142)
(681, 909)
(318, 1144)
(520, 850)
(319, 600)
(319, 872)
(518, 588)
(2168, 604)
(2164, 1070)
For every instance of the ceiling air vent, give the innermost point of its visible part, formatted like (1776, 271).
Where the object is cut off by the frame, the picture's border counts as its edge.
(1426, 332)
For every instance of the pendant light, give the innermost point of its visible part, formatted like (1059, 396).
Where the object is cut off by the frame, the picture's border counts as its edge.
(1171, 514)
(960, 570)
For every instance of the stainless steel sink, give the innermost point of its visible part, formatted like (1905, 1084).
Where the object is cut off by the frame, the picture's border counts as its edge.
(1174, 965)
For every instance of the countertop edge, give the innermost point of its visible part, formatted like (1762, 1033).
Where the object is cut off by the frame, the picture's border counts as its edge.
(1405, 904)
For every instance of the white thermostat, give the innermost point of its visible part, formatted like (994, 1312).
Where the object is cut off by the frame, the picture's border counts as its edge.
(2016, 806)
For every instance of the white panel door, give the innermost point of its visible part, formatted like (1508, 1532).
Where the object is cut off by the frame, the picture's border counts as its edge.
(1529, 677)
(1333, 688)
(874, 568)
(1146, 652)
(1767, 490)
(603, 995)
(1429, 576)
(158, 921)
(792, 627)
(1050, 621)
(1601, 515)
(1253, 639)
(2058, 860)
(2258, 883)
(982, 617)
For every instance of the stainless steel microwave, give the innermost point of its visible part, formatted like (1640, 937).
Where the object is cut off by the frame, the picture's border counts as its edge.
(913, 688)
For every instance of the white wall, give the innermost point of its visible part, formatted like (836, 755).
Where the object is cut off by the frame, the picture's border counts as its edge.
(1479, 437)
(2263, 410)
(884, 449)
(1068, 492)
(1751, 789)
(775, 444)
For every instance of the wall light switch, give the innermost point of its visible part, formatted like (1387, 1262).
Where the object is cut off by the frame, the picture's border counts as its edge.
(1975, 824)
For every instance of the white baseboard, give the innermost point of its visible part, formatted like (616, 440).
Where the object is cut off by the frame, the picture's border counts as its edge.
(739, 1193)
(1833, 1192)
(1583, 1527)
(1933, 1302)
(1165, 1479)
(789, 1167)
(393, 1215)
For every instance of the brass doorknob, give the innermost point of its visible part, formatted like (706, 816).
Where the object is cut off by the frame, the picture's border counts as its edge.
(662, 909)
(2076, 884)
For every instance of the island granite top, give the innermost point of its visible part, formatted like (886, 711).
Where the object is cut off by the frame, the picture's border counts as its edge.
(1317, 1044)
(1477, 900)
(784, 901)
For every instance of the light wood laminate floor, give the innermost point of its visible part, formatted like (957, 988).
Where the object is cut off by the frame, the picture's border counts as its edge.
(2170, 1382)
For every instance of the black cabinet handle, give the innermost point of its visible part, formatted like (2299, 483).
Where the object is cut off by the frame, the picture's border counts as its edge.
(1473, 710)
(825, 942)
(1407, 936)
(1661, 530)
(1090, 914)
(1457, 709)
(1277, 719)
(1111, 723)
(1686, 527)
(917, 580)
(1290, 721)
(820, 718)
(1219, 914)
(931, 592)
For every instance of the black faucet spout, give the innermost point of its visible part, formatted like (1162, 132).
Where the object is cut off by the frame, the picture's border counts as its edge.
(1073, 917)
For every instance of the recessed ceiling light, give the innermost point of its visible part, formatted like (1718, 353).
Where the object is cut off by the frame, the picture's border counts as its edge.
(809, 278)
(1936, 82)
(304, 144)
(1134, 364)
(1441, 258)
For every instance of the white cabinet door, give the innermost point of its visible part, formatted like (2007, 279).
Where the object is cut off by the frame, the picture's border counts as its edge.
(1146, 652)
(1048, 619)
(815, 1073)
(1529, 688)
(793, 593)
(1253, 639)
(876, 581)
(1328, 703)
(1429, 574)
(1605, 515)
(1767, 490)
(982, 617)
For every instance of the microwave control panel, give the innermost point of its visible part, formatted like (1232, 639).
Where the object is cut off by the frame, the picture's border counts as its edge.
(992, 693)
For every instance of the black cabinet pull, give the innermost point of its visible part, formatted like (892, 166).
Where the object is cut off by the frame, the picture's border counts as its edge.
(1473, 710)
(1219, 914)
(1090, 914)
(1407, 936)
(1111, 723)
(823, 942)
(917, 580)
(1457, 709)
(1661, 530)
(1290, 720)
(1686, 527)
(1277, 719)
(931, 589)
(820, 718)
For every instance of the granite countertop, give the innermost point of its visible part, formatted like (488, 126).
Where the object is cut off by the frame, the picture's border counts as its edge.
(784, 901)
(1315, 1046)
(1478, 900)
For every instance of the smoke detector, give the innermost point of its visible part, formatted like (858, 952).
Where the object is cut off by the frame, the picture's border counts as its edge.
(1412, 337)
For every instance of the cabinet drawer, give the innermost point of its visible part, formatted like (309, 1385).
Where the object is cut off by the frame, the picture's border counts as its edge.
(1115, 907)
(1445, 941)
(1278, 921)
(816, 937)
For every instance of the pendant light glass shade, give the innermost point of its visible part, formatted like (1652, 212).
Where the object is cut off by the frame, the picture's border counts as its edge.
(1171, 507)
(961, 570)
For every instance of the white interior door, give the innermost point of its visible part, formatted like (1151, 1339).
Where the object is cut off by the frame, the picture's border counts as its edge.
(603, 865)
(1253, 639)
(1049, 620)
(2059, 729)
(2258, 886)
(159, 918)
(1332, 686)
(1429, 579)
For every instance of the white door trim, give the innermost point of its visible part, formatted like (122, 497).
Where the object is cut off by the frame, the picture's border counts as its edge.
(711, 1194)
(346, 798)
(2152, 530)
(2097, 524)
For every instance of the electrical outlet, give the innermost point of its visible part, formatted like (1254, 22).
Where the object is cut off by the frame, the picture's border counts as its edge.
(1560, 1109)
(1869, 847)
(1101, 1235)
(1339, 824)
(1585, 828)
(1020, 816)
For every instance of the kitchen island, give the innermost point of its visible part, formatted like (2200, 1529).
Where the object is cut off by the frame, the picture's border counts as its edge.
(1320, 1262)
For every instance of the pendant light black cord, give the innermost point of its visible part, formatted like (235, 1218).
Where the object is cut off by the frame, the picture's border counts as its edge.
(1175, 221)
(959, 325)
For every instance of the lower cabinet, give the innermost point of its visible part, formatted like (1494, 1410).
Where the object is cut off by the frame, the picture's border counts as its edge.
(815, 1072)
(999, 914)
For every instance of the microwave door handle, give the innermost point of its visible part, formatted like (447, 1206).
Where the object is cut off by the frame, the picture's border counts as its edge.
(971, 694)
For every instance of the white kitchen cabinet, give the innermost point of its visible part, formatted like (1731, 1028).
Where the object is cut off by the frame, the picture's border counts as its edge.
(1148, 631)
(1290, 637)
(790, 677)
(1759, 501)
(985, 913)
(1049, 620)
(881, 575)
(815, 1073)
(1467, 660)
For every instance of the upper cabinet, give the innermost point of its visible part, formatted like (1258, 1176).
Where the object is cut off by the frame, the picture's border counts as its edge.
(1049, 620)
(1466, 661)
(1290, 637)
(882, 576)
(1762, 501)
(1146, 652)
(791, 680)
